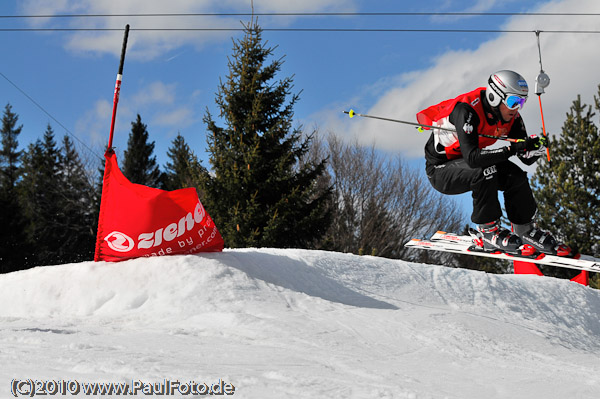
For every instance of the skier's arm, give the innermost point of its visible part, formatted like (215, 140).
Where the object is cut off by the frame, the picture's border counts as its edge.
(466, 121)
(518, 131)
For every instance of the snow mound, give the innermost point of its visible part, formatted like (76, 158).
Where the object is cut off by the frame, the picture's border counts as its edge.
(298, 323)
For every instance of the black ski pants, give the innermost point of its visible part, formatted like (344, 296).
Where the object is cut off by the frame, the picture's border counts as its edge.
(456, 177)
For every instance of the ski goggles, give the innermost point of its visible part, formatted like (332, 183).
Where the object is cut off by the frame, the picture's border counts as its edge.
(513, 101)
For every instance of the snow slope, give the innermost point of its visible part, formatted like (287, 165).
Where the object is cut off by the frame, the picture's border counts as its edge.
(301, 324)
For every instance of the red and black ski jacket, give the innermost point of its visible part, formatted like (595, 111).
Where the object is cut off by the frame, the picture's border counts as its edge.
(470, 115)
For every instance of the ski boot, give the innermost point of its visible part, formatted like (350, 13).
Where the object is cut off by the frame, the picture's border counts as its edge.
(491, 237)
(541, 240)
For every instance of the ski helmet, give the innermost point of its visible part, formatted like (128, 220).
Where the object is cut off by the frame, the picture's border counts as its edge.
(508, 87)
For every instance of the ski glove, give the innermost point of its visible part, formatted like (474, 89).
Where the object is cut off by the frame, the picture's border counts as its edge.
(532, 143)
(533, 153)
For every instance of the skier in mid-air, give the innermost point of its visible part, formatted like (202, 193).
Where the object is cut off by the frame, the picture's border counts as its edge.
(458, 161)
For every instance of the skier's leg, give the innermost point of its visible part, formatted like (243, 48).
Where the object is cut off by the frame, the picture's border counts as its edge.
(521, 210)
(486, 207)
(456, 177)
(518, 199)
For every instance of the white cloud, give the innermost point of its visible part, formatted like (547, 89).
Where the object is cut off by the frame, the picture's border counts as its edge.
(158, 104)
(175, 118)
(94, 125)
(485, 5)
(570, 59)
(151, 44)
(155, 93)
(298, 6)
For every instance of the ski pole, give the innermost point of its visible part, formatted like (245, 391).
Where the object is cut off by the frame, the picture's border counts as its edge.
(420, 126)
(541, 82)
(547, 143)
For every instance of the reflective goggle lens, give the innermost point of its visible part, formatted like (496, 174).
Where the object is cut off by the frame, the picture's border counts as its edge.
(513, 102)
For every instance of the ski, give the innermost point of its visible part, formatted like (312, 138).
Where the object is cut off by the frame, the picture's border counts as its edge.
(460, 244)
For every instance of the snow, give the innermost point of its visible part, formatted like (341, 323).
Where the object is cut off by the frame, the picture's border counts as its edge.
(287, 323)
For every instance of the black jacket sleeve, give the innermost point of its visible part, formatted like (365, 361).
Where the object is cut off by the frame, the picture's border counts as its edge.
(518, 131)
(466, 121)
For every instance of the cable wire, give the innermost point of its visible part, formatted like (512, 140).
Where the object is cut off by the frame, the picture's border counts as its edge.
(296, 30)
(304, 14)
(297, 14)
(50, 115)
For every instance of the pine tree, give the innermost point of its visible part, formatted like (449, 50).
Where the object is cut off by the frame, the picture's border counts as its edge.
(260, 194)
(139, 166)
(76, 221)
(12, 234)
(9, 156)
(568, 190)
(40, 195)
(184, 170)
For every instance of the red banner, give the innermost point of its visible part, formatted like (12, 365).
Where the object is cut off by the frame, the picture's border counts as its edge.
(522, 267)
(137, 221)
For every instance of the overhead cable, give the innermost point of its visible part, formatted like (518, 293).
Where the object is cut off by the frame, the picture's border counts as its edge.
(299, 30)
(302, 14)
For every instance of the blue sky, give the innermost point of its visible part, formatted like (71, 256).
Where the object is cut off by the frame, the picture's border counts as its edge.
(170, 78)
